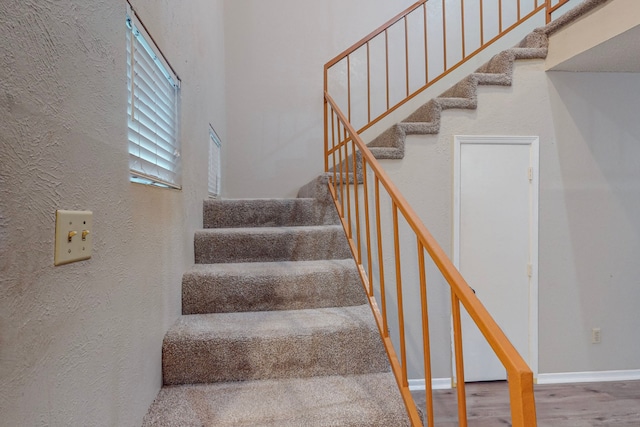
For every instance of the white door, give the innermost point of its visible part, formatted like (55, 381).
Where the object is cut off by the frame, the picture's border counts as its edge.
(495, 244)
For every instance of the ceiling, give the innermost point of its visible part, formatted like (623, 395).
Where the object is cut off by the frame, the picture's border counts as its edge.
(617, 54)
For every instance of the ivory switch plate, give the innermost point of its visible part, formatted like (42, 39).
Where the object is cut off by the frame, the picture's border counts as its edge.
(74, 236)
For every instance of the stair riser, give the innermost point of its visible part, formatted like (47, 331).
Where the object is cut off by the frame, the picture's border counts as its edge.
(287, 244)
(351, 351)
(267, 213)
(370, 400)
(336, 286)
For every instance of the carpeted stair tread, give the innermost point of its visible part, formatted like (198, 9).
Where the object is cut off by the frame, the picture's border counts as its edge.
(262, 286)
(370, 400)
(225, 213)
(206, 348)
(266, 244)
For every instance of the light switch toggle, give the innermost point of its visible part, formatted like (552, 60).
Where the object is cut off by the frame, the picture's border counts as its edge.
(68, 247)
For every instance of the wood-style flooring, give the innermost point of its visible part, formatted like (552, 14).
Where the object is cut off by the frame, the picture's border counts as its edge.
(610, 404)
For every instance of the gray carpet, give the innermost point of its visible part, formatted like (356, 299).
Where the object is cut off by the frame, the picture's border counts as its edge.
(263, 286)
(276, 329)
(270, 244)
(337, 401)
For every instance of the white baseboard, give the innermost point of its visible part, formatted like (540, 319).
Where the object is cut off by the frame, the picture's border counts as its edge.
(557, 378)
(436, 384)
(588, 377)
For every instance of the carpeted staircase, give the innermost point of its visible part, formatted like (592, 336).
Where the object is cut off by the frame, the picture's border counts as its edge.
(463, 95)
(276, 329)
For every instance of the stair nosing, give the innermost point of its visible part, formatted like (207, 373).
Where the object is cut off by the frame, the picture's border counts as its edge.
(284, 265)
(212, 325)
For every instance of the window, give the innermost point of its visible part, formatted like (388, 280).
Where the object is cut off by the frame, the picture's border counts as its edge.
(214, 163)
(153, 111)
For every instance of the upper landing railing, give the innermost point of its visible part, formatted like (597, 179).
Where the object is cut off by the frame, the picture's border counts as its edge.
(417, 48)
(553, 6)
(376, 217)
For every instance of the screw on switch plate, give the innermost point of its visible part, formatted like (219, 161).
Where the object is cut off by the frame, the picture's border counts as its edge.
(73, 236)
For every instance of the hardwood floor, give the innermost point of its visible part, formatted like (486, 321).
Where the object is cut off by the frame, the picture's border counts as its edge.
(601, 404)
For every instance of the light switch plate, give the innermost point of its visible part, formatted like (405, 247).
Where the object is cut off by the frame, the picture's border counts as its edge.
(74, 236)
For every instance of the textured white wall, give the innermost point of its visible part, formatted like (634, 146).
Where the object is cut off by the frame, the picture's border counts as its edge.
(80, 344)
(275, 52)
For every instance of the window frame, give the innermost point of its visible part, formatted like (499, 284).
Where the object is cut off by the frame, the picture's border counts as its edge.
(215, 164)
(153, 110)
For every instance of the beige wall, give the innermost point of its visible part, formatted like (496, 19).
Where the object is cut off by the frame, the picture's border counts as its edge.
(589, 235)
(80, 344)
(589, 224)
(275, 52)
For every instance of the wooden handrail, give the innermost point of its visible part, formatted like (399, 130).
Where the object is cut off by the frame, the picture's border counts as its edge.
(345, 151)
(503, 347)
(519, 375)
(448, 67)
(357, 45)
(551, 8)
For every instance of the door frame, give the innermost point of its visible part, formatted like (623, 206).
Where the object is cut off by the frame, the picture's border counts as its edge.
(534, 143)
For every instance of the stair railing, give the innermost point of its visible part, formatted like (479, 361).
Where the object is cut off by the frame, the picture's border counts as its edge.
(358, 183)
(552, 6)
(359, 187)
(417, 48)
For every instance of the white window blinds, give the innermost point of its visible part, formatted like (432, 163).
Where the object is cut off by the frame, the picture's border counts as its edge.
(154, 149)
(214, 163)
